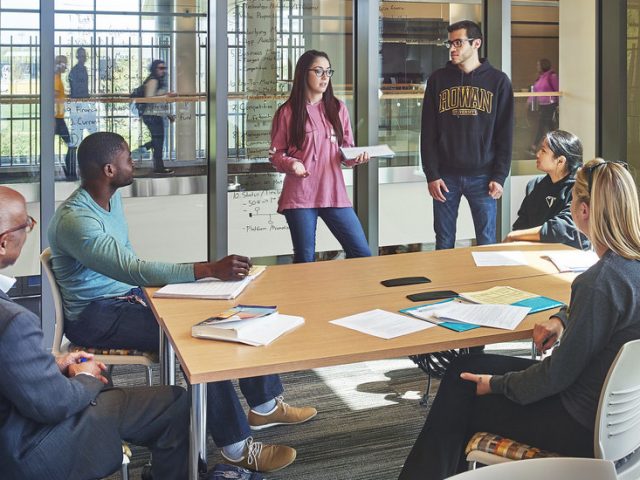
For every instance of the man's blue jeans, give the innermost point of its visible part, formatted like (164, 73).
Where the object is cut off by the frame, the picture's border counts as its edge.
(114, 323)
(342, 222)
(483, 210)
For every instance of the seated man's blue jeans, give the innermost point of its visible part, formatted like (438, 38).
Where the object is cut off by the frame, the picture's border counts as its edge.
(483, 210)
(117, 323)
(342, 222)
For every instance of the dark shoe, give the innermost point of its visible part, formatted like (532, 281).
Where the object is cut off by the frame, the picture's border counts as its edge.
(164, 171)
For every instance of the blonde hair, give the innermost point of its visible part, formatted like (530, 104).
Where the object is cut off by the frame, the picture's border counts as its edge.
(614, 211)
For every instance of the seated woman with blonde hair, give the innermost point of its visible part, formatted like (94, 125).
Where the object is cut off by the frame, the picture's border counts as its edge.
(545, 215)
(552, 403)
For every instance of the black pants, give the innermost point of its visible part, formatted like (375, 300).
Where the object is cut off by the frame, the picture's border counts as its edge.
(457, 413)
(70, 158)
(155, 125)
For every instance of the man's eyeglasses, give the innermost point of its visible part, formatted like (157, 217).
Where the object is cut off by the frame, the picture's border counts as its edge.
(589, 171)
(28, 225)
(320, 72)
(457, 43)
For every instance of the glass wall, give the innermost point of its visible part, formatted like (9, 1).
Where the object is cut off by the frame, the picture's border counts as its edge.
(633, 83)
(265, 39)
(411, 48)
(139, 68)
(19, 130)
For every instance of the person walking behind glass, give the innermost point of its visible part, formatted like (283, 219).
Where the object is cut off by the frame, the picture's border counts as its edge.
(306, 135)
(61, 128)
(82, 115)
(155, 86)
(547, 81)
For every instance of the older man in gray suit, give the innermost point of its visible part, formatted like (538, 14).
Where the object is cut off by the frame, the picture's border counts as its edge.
(57, 419)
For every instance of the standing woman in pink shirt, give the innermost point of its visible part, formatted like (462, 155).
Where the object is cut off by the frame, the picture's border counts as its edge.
(307, 133)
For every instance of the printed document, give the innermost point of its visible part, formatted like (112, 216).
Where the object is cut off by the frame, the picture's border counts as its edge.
(507, 258)
(506, 317)
(382, 324)
(498, 296)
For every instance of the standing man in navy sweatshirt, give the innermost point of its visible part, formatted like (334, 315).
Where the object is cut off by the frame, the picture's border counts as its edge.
(467, 132)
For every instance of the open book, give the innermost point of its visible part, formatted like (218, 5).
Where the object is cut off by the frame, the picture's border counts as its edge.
(255, 331)
(209, 288)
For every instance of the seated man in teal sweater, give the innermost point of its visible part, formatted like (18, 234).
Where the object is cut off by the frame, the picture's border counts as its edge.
(99, 276)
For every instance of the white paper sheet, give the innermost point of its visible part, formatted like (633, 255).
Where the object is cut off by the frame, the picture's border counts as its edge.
(505, 258)
(349, 153)
(572, 261)
(382, 324)
(506, 317)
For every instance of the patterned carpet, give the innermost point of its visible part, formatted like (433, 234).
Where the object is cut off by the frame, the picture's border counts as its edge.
(369, 416)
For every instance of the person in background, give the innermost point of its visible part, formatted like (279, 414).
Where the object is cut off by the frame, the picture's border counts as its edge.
(545, 213)
(61, 128)
(155, 87)
(100, 275)
(550, 404)
(467, 135)
(547, 81)
(82, 114)
(307, 133)
(57, 419)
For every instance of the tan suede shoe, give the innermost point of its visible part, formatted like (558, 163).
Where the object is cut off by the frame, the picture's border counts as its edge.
(263, 457)
(283, 414)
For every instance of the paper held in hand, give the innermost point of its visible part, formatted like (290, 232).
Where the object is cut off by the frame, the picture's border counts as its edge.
(254, 331)
(350, 153)
(209, 288)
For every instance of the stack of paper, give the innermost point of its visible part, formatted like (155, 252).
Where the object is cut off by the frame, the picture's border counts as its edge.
(506, 317)
(426, 312)
(511, 296)
(209, 288)
(253, 331)
(573, 260)
(463, 316)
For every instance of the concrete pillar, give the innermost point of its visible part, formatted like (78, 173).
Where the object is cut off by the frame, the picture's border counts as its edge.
(185, 68)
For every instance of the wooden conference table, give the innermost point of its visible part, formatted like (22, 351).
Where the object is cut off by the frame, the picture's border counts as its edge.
(325, 291)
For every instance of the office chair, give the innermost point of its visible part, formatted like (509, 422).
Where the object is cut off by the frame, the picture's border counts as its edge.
(560, 468)
(617, 429)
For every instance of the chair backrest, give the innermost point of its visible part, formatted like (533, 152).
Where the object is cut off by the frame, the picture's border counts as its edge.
(45, 260)
(617, 429)
(557, 468)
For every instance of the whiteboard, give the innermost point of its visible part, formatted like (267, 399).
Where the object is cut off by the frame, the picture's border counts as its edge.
(256, 229)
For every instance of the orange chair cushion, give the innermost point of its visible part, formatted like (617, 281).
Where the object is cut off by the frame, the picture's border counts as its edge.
(505, 447)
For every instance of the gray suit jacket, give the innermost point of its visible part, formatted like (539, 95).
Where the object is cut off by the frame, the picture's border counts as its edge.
(41, 410)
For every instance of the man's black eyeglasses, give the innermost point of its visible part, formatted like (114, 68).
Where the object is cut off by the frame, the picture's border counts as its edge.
(458, 42)
(29, 225)
(589, 170)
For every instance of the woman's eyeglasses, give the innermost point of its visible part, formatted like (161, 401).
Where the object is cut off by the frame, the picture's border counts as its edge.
(589, 171)
(28, 225)
(320, 72)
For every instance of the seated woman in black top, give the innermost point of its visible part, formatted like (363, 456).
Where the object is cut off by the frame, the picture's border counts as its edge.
(544, 215)
(550, 404)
